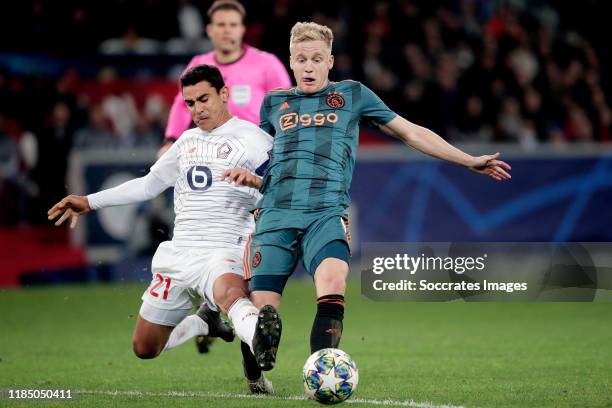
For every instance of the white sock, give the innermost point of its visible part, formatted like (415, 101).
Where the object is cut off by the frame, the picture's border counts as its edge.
(189, 327)
(243, 315)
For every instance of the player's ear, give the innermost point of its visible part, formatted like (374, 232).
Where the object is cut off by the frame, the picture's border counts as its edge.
(291, 62)
(208, 29)
(330, 62)
(224, 92)
(185, 96)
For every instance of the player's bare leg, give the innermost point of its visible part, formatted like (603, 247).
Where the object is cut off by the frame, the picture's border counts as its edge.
(268, 328)
(149, 338)
(261, 298)
(330, 283)
(232, 296)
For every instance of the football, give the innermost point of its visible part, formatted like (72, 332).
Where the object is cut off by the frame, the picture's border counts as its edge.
(330, 376)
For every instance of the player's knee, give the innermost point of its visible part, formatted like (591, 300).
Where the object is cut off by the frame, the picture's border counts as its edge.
(231, 295)
(335, 285)
(144, 350)
(262, 298)
(330, 280)
(229, 288)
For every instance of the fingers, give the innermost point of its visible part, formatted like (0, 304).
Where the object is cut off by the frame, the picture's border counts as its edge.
(53, 214)
(64, 217)
(70, 207)
(56, 210)
(232, 175)
(240, 179)
(501, 164)
(236, 176)
(498, 173)
(497, 169)
(73, 221)
(226, 174)
(502, 173)
(493, 174)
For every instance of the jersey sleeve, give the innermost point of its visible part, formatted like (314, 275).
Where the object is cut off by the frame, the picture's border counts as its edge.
(373, 110)
(179, 118)
(166, 168)
(132, 191)
(264, 116)
(276, 74)
(259, 150)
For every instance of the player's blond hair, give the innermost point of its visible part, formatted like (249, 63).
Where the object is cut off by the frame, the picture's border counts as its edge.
(302, 32)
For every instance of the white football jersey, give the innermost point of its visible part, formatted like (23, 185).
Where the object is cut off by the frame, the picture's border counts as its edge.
(209, 212)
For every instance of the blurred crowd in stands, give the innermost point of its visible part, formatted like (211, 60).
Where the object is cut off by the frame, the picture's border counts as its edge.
(472, 70)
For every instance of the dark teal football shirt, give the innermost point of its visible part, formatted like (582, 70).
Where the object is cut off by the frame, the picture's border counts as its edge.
(315, 143)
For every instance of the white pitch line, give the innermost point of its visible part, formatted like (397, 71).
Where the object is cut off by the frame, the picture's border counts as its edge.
(196, 394)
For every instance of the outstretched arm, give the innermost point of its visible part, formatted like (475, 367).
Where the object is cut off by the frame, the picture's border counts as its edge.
(430, 143)
(133, 191)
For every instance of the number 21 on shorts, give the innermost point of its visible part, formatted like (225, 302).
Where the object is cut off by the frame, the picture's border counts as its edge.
(159, 281)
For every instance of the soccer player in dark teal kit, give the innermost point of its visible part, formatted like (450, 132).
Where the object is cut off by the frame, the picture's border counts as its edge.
(302, 214)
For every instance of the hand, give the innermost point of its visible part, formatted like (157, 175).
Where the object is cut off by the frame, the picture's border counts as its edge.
(490, 166)
(70, 207)
(241, 177)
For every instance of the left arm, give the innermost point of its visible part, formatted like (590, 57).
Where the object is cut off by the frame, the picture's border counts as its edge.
(428, 142)
(241, 177)
(259, 148)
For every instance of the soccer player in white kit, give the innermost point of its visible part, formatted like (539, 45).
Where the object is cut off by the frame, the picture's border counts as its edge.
(204, 259)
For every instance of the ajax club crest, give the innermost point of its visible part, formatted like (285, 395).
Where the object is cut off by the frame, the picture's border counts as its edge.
(335, 100)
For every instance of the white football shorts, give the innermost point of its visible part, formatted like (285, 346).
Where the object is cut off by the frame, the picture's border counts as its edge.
(182, 277)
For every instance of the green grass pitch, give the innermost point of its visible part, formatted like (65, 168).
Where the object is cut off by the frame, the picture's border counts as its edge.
(412, 354)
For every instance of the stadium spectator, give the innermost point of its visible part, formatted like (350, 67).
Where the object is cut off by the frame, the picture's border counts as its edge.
(54, 143)
(130, 42)
(97, 133)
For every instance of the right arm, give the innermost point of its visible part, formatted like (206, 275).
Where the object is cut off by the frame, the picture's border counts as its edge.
(163, 174)
(133, 191)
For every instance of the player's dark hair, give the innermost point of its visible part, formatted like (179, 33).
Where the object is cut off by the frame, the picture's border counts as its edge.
(226, 5)
(201, 73)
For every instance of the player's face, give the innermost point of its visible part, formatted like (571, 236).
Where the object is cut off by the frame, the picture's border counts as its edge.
(226, 30)
(208, 107)
(311, 62)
